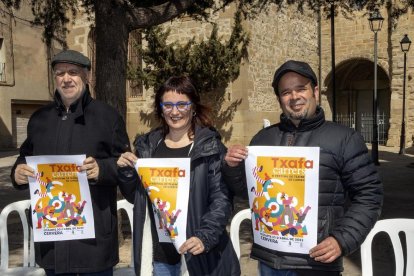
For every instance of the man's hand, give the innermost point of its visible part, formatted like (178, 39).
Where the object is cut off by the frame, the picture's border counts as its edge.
(21, 174)
(193, 245)
(235, 154)
(91, 167)
(327, 251)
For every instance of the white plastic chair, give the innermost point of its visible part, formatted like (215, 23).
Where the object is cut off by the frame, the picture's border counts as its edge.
(29, 265)
(235, 228)
(392, 227)
(123, 204)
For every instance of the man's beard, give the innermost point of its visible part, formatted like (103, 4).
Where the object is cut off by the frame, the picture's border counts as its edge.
(300, 115)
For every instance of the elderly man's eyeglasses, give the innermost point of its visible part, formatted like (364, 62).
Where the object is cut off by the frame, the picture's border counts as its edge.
(71, 72)
(181, 106)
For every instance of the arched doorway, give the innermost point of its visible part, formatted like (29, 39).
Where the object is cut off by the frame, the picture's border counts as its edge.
(354, 97)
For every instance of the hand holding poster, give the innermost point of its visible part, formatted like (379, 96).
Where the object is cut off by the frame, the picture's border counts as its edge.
(60, 199)
(167, 182)
(283, 184)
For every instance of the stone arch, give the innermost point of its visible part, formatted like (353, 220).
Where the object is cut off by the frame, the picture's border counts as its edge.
(354, 79)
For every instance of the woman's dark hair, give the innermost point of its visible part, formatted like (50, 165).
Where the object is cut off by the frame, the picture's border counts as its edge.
(183, 85)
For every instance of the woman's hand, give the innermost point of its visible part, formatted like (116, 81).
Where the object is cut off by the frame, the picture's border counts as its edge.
(193, 245)
(127, 159)
(91, 167)
(235, 155)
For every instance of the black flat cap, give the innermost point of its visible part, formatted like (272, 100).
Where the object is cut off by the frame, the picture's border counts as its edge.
(72, 57)
(300, 67)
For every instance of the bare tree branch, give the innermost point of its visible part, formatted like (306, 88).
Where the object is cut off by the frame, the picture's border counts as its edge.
(143, 17)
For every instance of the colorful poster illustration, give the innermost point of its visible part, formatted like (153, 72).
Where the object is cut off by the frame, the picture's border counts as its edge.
(167, 182)
(283, 184)
(60, 199)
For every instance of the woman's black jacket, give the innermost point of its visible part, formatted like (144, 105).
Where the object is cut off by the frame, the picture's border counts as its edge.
(209, 206)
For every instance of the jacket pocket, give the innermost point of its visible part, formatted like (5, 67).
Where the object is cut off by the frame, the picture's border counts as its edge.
(104, 223)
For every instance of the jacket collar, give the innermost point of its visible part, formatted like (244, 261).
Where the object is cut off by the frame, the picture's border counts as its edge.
(77, 107)
(206, 142)
(305, 124)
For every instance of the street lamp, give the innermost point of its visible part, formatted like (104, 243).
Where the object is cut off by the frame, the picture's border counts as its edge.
(375, 23)
(405, 47)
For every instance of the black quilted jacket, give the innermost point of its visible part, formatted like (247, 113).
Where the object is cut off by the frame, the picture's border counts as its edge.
(350, 191)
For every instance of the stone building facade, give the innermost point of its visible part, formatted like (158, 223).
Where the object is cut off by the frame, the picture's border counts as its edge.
(277, 36)
(273, 40)
(354, 71)
(25, 83)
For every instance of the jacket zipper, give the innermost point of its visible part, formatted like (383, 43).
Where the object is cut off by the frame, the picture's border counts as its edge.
(291, 139)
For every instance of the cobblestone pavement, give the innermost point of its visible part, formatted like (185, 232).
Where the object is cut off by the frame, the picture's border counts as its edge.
(397, 174)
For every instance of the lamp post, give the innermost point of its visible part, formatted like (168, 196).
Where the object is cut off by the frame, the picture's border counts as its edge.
(375, 24)
(405, 47)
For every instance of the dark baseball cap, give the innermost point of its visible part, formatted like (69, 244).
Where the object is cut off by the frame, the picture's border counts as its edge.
(72, 57)
(300, 67)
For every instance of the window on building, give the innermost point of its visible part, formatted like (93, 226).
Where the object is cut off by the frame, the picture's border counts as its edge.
(134, 87)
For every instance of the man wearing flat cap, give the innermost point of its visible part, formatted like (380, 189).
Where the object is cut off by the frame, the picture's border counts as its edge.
(346, 173)
(75, 123)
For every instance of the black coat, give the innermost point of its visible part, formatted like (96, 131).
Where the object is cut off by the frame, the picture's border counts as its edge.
(350, 191)
(95, 129)
(209, 206)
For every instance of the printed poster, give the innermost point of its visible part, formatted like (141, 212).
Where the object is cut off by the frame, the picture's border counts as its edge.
(60, 199)
(167, 182)
(283, 189)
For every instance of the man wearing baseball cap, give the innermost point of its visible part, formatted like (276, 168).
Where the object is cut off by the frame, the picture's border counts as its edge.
(346, 173)
(75, 123)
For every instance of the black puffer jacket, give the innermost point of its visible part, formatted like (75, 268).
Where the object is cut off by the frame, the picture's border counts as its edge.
(209, 206)
(347, 178)
(95, 129)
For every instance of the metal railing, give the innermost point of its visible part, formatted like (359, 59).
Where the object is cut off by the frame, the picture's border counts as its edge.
(364, 125)
(346, 119)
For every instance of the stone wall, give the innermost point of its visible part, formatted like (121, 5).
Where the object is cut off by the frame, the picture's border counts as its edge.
(355, 40)
(27, 72)
(396, 33)
(277, 36)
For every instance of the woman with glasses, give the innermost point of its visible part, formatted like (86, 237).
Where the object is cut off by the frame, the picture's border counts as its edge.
(185, 131)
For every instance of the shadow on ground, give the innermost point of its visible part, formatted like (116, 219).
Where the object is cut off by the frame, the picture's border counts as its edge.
(8, 194)
(397, 172)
